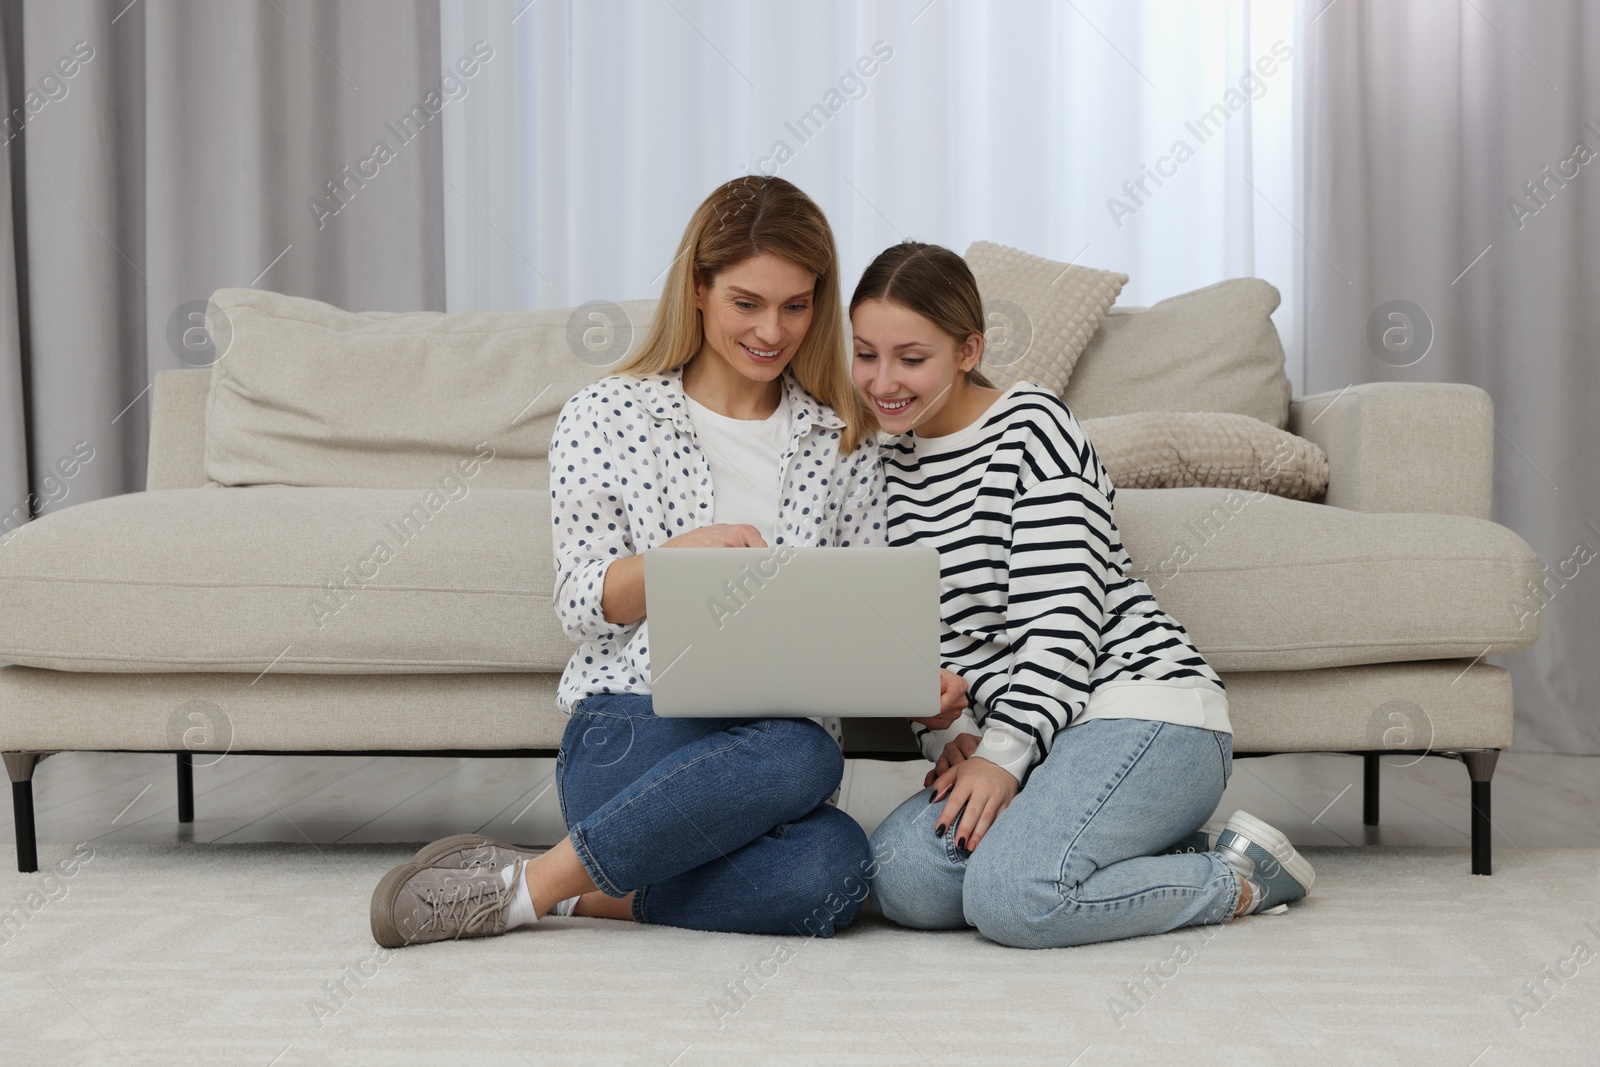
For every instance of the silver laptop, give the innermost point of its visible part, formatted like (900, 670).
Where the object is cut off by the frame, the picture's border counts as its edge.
(759, 632)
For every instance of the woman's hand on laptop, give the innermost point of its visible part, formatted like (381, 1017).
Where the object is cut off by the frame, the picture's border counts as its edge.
(952, 701)
(954, 752)
(983, 789)
(719, 535)
(622, 593)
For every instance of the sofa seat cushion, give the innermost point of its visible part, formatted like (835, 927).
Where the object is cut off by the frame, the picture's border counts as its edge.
(301, 580)
(1263, 583)
(359, 581)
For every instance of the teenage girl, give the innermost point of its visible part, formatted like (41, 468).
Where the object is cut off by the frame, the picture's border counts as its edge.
(1068, 807)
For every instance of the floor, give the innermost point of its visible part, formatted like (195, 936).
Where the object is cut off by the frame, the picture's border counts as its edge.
(252, 947)
(1540, 800)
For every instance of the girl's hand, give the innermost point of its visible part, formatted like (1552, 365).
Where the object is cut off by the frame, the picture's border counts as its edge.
(954, 752)
(983, 788)
(952, 701)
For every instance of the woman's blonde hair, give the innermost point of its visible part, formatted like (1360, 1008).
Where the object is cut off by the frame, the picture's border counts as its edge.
(740, 219)
(932, 281)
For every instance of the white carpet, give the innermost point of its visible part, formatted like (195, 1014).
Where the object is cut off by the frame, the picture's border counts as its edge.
(223, 954)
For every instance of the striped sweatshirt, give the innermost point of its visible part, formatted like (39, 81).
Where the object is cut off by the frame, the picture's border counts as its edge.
(1038, 611)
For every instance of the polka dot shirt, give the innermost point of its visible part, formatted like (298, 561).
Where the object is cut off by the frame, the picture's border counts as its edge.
(627, 473)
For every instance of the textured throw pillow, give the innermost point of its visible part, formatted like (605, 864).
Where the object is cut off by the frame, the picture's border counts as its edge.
(1213, 349)
(1171, 450)
(1039, 314)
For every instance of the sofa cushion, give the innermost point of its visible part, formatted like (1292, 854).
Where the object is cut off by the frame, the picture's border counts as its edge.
(1176, 449)
(1262, 583)
(1213, 349)
(305, 393)
(1038, 313)
(364, 581)
(304, 580)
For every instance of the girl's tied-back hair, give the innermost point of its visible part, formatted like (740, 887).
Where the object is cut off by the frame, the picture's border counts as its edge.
(741, 219)
(932, 281)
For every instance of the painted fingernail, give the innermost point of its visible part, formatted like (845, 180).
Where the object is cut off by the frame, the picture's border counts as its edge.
(938, 831)
(961, 843)
(933, 796)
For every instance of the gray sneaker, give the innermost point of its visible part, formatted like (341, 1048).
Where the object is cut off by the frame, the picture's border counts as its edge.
(415, 904)
(473, 850)
(1261, 852)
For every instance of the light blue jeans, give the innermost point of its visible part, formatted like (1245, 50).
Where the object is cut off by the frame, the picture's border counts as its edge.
(1073, 860)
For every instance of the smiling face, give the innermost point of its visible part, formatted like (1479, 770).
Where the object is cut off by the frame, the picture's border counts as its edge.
(910, 371)
(756, 313)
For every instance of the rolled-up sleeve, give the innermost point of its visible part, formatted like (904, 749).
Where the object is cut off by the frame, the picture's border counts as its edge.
(589, 522)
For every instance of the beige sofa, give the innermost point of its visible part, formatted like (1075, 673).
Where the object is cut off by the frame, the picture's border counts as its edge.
(200, 617)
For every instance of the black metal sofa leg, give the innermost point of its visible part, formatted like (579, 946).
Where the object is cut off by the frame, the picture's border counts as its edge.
(1369, 788)
(19, 767)
(186, 787)
(1480, 767)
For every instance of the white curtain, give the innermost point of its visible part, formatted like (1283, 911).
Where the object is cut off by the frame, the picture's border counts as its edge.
(589, 139)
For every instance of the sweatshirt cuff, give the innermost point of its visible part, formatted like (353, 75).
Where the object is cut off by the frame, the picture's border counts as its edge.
(933, 741)
(1008, 748)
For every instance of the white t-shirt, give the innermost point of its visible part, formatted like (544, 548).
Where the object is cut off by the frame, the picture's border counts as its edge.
(743, 454)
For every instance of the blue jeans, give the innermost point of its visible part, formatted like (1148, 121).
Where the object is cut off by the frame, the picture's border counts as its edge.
(712, 824)
(1072, 860)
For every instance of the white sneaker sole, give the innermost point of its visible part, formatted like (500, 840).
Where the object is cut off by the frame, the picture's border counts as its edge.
(1277, 845)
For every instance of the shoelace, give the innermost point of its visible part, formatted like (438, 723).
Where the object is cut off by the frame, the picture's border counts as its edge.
(471, 903)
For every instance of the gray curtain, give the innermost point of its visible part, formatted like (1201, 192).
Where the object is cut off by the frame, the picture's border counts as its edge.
(1426, 123)
(163, 149)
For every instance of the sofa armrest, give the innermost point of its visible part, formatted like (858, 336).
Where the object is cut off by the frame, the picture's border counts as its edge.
(178, 430)
(1403, 446)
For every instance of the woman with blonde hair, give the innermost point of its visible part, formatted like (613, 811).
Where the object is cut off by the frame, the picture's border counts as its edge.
(735, 425)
